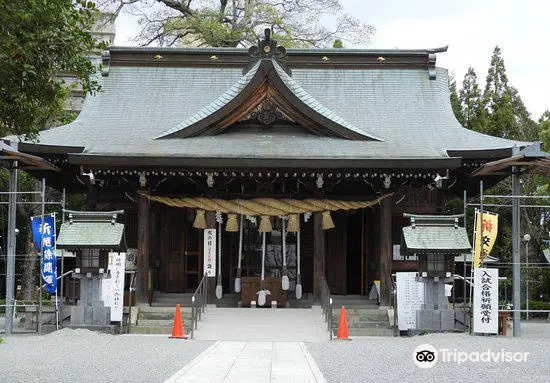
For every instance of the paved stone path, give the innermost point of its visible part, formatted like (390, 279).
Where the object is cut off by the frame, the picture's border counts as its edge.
(231, 362)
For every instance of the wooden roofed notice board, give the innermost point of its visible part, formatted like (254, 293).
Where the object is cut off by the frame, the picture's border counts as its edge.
(410, 298)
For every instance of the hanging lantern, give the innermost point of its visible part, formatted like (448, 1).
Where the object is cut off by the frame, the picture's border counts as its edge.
(265, 224)
(200, 221)
(293, 223)
(232, 223)
(328, 223)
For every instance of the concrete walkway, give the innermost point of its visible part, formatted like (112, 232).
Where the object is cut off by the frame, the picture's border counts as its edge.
(262, 324)
(232, 362)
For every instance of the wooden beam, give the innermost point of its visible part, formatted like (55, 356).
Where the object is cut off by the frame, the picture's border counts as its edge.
(385, 250)
(143, 249)
(318, 255)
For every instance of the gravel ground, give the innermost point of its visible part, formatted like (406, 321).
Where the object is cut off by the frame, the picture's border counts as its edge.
(378, 359)
(84, 356)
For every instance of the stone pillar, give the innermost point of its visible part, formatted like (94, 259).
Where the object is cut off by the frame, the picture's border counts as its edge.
(318, 255)
(385, 251)
(143, 249)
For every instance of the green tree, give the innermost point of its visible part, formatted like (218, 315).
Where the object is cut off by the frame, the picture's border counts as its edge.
(455, 101)
(471, 103)
(498, 99)
(337, 44)
(544, 126)
(40, 39)
(224, 23)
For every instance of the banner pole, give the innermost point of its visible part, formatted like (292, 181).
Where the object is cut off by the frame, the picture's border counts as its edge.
(63, 251)
(464, 255)
(481, 241)
(474, 236)
(43, 208)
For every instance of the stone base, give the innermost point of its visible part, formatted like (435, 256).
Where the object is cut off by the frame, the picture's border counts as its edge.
(435, 320)
(90, 316)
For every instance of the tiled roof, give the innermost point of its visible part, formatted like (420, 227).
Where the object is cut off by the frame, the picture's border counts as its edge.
(410, 113)
(435, 234)
(91, 232)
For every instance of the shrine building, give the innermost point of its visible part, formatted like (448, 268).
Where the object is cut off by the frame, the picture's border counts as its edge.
(306, 159)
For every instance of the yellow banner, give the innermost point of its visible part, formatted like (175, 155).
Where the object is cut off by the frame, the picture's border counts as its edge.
(486, 228)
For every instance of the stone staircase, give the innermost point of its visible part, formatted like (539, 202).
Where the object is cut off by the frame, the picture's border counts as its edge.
(171, 299)
(159, 317)
(363, 316)
(160, 320)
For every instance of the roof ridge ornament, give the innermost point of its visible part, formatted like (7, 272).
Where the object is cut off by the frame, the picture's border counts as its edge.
(267, 49)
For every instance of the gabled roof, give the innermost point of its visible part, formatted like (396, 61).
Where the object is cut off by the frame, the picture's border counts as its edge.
(266, 80)
(92, 230)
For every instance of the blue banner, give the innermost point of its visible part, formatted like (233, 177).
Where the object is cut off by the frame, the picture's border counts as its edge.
(46, 234)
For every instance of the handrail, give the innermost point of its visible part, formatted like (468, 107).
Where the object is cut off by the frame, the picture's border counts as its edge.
(198, 303)
(326, 304)
(394, 303)
(59, 277)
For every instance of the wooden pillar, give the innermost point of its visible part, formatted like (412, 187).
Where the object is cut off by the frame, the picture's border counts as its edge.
(143, 249)
(385, 251)
(318, 255)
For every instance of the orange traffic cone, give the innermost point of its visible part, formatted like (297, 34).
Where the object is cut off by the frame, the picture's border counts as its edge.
(343, 326)
(177, 330)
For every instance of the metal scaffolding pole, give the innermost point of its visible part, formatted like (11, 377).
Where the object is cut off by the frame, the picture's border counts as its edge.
(10, 269)
(516, 270)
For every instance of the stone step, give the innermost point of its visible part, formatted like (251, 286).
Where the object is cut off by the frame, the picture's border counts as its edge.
(161, 322)
(371, 316)
(156, 330)
(161, 316)
(371, 332)
(362, 325)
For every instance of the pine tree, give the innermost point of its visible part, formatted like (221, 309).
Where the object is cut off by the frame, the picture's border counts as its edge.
(498, 99)
(471, 103)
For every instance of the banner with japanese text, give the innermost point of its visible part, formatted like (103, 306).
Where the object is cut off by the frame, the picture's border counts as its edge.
(486, 233)
(486, 300)
(45, 234)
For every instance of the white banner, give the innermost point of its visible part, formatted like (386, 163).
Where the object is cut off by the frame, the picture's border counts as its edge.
(210, 252)
(410, 298)
(112, 289)
(486, 300)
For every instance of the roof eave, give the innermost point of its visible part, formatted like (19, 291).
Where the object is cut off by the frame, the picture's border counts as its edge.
(100, 160)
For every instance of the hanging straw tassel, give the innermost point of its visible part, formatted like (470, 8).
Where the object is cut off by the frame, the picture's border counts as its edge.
(328, 223)
(219, 288)
(238, 279)
(262, 292)
(200, 221)
(285, 283)
(293, 223)
(265, 225)
(232, 224)
(298, 276)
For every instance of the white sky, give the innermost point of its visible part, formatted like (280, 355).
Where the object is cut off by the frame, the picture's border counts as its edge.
(471, 28)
